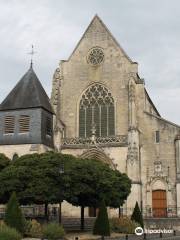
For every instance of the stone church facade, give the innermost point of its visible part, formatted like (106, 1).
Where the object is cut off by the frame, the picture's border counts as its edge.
(102, 110)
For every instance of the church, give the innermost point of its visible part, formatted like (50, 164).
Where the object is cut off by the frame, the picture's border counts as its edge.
(99, 108)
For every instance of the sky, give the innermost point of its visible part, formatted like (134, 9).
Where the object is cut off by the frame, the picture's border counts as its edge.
(148, 31)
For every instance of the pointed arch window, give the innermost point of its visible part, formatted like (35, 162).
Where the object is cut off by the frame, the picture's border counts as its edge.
(96, 108)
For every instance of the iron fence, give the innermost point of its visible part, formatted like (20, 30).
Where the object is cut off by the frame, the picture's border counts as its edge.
(38, 211)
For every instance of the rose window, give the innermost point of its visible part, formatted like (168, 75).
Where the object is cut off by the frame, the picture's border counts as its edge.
(96, 56)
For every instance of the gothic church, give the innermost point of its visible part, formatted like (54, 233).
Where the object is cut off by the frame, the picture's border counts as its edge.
(99, 108)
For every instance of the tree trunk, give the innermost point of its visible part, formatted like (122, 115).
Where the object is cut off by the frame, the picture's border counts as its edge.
(46, 212)
(94, 212)
(82, 218)
(60, 213)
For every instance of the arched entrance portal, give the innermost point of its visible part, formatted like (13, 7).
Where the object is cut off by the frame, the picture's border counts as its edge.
(159, 203)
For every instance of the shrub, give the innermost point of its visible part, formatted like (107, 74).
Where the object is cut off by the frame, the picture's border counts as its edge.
(137, 215)
(7, 233)
(33, 229)
(123, 225)
(13, 215)
(27, 227)
(101, 225)
(4, 161)
(53, 231)
(2, 223)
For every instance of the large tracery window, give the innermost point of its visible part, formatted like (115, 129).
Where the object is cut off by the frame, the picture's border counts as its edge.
(96, 108)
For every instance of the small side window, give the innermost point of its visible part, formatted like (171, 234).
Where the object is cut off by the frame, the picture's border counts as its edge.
(9, 125)
(157, 137)
(48, 127)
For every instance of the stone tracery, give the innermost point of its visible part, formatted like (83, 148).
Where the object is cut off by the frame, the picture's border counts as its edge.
(96, 108)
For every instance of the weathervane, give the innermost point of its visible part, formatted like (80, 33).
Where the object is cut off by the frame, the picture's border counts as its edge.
(32, 53)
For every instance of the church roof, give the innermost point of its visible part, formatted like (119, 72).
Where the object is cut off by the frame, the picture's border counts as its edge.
(28, 93)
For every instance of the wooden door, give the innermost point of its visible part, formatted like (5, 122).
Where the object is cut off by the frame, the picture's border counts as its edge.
(93, 212)
(159, 203)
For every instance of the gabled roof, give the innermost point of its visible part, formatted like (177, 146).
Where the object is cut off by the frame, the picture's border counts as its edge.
(28, 93)
(97, 18)
(151, 102)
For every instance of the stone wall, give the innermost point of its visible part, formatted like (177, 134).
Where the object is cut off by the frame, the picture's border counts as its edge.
(22, 149)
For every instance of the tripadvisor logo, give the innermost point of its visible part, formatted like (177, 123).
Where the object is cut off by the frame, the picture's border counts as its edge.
(139, 231)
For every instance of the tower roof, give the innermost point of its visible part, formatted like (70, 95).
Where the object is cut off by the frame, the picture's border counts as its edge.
(28, 93)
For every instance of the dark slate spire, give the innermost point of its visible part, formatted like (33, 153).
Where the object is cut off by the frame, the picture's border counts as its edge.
(28, 93)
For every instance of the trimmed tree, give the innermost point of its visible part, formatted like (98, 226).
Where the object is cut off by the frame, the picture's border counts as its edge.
(137, 215)
(13, 215)
(15, 157)
(101, 225)
(83, 181)
(88, 181)
(36, 178)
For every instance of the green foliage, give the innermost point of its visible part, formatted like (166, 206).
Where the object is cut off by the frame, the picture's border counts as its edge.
(7, 233)
(123, 225)
(35, 178)
(53, 231)
(4, 161)
(101, 225)
(27, 228)
(2, 223)
(13, 214)
(95, 181)
(33, 229)
(137, 215)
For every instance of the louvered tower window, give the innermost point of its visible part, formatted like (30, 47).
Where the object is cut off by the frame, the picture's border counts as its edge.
(96, 108)
(9, 125)
(24, 124)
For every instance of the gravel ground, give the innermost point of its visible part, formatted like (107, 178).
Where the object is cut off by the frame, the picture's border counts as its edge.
(81, 236)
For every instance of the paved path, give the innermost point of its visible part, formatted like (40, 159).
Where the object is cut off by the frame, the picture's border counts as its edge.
(131, 237)
(149, 237)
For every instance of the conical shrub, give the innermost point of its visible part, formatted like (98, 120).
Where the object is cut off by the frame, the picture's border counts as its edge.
(137, 215)
(101, 225)
(13, 215)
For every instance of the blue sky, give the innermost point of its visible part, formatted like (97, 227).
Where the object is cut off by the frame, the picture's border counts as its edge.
(148, 31)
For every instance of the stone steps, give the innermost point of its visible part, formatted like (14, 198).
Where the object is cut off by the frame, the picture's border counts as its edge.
(75, 223)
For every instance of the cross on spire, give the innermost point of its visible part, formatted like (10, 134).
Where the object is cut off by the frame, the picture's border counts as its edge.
(32, 53)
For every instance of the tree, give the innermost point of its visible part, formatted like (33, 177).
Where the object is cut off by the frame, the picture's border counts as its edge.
(13, 215)
(115, 189)
(15, 156)
(101, 225)
(4, 161)
(137, 215)
(36, 178)
(89, 181)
